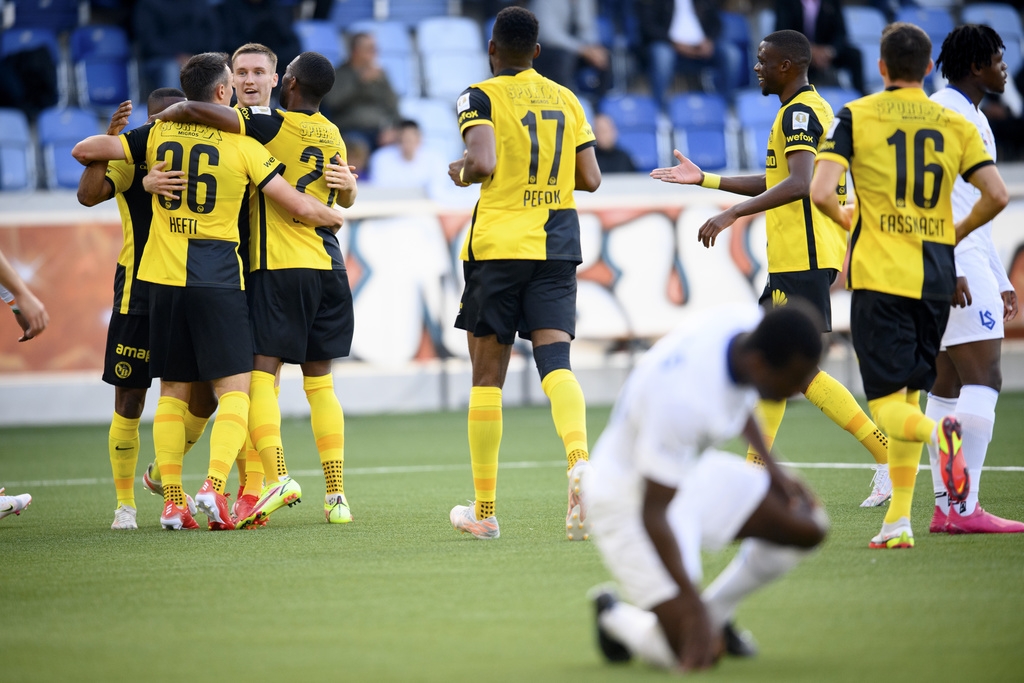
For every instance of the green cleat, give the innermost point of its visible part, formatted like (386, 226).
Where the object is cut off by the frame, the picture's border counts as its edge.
(275, 496)
(336, 509)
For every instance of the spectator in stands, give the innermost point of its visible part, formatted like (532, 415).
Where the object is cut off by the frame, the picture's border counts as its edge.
(683, 36)
(823, 23)
(168, 33)
(28, 81)
(610, 157)
(268, 22)
(362, 102)
(570, 45)
(407, 163)
(358, 155)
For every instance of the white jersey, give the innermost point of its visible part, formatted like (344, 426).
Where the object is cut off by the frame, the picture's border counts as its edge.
(679, 401)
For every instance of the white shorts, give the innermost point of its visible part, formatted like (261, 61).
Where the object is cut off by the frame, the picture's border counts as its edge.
(718, 498)
(983, 319)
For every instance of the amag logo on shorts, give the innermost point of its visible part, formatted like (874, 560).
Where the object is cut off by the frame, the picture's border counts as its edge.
(132, 352)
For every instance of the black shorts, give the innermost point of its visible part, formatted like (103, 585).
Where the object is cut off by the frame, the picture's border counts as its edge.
(812, 285)
(505, 296)
(126, 361)
(198, 333)
(301, 314)
(896, 340)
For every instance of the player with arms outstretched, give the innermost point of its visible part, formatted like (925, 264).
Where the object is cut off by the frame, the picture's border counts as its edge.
(903, 152)
(529, 144)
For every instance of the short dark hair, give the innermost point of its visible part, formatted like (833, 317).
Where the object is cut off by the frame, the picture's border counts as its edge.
(202, 74)
(408, 123)
(314, 75)
(515, 32)
(965, 47)
(788, 331)
(792, 45)
(157, 100)
(906, 50)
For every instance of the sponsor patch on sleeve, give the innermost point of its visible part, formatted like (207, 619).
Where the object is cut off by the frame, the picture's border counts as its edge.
(801, 119)
(260, 110)
(463, 103)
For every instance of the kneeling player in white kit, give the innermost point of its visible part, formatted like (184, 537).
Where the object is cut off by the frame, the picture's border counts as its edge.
(658, 492)
(968, 376)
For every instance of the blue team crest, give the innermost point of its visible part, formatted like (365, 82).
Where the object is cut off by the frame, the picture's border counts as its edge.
(987, 321)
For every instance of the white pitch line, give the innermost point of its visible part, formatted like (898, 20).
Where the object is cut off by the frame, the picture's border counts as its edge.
(421, 469)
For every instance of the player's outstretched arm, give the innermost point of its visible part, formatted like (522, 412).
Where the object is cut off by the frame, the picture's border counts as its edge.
(214, 115)
(994, 198)
(33, 316)
(302, 207)
(93, 187)
(823, 192)
(98, 148)
(588, 173)
(688, 173)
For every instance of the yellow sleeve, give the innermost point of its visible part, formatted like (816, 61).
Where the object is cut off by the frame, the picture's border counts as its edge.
(259, 163)
(121, 175)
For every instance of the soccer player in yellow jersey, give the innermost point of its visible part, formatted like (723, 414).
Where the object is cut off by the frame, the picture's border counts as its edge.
(805, 248)
(299, 297)
(529, 144)
(126, 362)
(903, 152)
(197, 302)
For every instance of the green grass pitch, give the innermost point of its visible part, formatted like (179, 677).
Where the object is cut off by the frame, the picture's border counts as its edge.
(399, 596)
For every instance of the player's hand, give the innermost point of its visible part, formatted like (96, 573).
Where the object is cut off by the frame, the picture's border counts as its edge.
(714, 225)
(962, 295)
(700, 647)
(33, 317)
(455, 171)
(1009, 304)
(340, 176)
(119, 119)
(686, 173)
(164, 183)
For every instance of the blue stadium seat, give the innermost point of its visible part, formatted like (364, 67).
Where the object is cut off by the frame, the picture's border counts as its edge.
(104, 69)
(488, 30)
(139, 115)
(59, 129)
(448, 34)
(756, 115)
(636, 118)
(403, 73)
(1012, 55)
(836, 97)
(392, 36)
(412, 12)
(56, 15)
(864, 24)
(699, 123)
(344, 13)
(17, 158)
(935, 21)
(447, 74)
(1006, 21)
(323, 37)
(736, 30)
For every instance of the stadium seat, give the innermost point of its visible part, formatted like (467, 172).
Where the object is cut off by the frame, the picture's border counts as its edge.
(59, 129)
(488, 30)
(139, 115)
(756, 115)
(56, 15)
(412, 12)
(392, 36)
(344, 13)
(403, 73)
(17, 158)
(323, 37)
(104, 70)
(636, 117)
(836, 97)
(1006, 21)
(437, 121)
(736, 30)
(699, 123)
(1012, 56)
(448, 34)
(863, 24)
(447, 74)
(935, 21)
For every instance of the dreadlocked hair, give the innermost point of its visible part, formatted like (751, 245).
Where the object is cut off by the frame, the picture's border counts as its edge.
(965, 47)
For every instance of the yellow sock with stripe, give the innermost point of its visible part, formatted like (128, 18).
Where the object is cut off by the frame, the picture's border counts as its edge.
(194, 428)
(899, 415)
(839, 405)
(227, 436)
(769, 419)
(169, 444)
(569, 413)
(123, 444)
(253, 470)
(265, 425)
(484, 441)
(904, 458)
(328, 421)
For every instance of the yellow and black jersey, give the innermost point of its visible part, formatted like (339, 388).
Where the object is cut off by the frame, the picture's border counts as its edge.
(903, 152)
(193, 240)
(304, 141)
(131, 295)
(800, 236)
(526, 208)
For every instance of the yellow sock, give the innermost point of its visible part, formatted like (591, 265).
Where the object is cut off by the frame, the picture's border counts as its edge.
(569, 413)
(328, 422)
(169, 444)
(265, 425)
(899, 416)
(839, 405)
(484, 441)
(227, 436)
(904, 458)
(194, 427)
(253, 470)
(123, 444)
(241, 459)
(769, 419)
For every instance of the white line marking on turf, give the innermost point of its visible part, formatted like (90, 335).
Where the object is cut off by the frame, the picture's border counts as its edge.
(422, 469)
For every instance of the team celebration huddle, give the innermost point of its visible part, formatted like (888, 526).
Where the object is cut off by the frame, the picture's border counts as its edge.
(231, 268)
